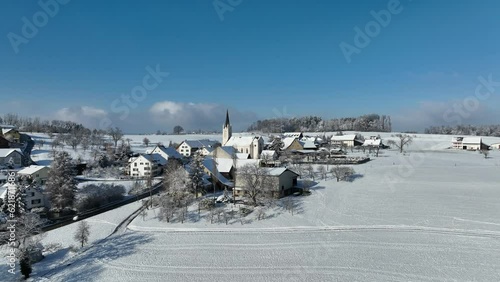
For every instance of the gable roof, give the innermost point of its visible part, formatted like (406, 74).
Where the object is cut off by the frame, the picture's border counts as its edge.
(308, 144)
(288, 141)
(277, 171)
(472, 140)
(31, 169)
(169, 151)
(350, 137)
(200, 143)
(241, 141)
(5, 152)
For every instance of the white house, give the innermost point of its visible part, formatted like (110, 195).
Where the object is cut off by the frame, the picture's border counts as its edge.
(37, 173)
(468, 143)
(35, 197)
(11, 156)
(495, 146)
(144, 165)
(350, 140)
(188, 147)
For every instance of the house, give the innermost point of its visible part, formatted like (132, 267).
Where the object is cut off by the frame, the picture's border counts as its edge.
(189, 147)
(374, 141)
(282, 179)
(4, 143)
(251, 145)
(35, 198)
(291, 143)
(37, 173)
(166, 152)
(11, 157)
(220, 172)
(351, 140)
(468, 143)
(495, 146)
(144, 165)
(298, 135)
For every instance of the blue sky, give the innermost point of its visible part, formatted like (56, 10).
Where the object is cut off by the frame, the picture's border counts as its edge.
(264, 59)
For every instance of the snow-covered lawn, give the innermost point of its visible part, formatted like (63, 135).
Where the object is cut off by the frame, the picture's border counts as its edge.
(431, 214)
(101, 226)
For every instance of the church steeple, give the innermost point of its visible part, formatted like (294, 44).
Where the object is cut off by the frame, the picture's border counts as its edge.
(226, 124)
(227, 131)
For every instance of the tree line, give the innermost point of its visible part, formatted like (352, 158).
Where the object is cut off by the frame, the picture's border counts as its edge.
(474, 130)
(29, 124)
(370, 122)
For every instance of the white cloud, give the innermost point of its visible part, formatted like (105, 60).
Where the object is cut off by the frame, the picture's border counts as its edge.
(192, 116)
(88, 116)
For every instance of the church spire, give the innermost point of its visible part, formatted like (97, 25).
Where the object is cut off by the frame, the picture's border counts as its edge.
(226, 124)
(227, 131)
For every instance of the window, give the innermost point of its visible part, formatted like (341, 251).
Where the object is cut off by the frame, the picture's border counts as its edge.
(141, 163)
(135, 169)
(135, 164)
(35, 202)
(32, 194)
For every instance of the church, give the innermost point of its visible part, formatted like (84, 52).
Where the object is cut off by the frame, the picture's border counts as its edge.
(251, 145)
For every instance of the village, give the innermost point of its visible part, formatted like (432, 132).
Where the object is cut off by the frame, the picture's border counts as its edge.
(284, 160)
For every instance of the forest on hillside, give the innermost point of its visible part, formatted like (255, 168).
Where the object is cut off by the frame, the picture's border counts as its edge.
(370, 122)
(475, 130)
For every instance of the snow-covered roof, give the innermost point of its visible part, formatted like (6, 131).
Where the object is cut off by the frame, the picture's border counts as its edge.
(7, 126)
(308, 144)
(277, 171)
(31, 169)
(7, 130)
(288, 141)
(5, 152)
(200, 143)
(242, 156)
(472, 140)
(208, 163)
(350, 137)
(241, 141)
(169, 151)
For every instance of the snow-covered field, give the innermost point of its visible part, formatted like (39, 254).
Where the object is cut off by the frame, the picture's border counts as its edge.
(431, 214)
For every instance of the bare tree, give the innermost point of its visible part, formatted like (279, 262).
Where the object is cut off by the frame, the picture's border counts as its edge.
(403, 140)
(116, 134)
(145, 141)
(310, 171)
(260, 213)
(143, 214)
(342, 172)
(40, 143)
(82, 233)
(322, 171)
(256, 182)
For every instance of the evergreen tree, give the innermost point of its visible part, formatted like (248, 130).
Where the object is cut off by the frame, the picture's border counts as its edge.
(197, 174)
(61, 184)
(25, 264)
